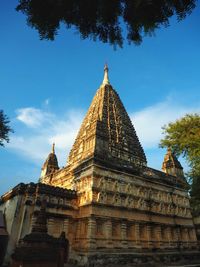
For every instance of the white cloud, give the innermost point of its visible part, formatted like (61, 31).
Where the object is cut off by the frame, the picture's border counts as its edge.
(34, 147)
(43, 129)
(33, 117)
(149, 121)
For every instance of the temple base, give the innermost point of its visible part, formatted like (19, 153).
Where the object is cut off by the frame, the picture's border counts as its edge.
(137, 259)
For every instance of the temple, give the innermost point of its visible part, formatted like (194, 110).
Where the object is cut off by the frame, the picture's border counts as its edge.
(111, 206)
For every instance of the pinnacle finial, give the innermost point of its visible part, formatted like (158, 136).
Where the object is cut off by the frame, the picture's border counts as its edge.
(53, 148)
(106, 79)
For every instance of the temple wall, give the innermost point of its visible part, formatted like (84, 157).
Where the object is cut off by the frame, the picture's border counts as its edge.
(9, 209)
(131, 192)
(110, 210)
(125, 211)
(115, 232)
(13, 210)
(92, 222)
(197, 227)
(120, 210)
(61, 178)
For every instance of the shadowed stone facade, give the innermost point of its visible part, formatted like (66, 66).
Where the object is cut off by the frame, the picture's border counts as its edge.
(107, 199)
(39, 248)
(3, 238)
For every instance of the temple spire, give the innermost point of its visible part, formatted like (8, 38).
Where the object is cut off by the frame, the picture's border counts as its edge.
(106, 79)
(171, 165)
(53, 148)
(107, 133)
(50, 165)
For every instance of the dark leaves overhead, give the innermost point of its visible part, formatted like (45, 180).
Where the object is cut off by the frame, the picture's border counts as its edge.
(100, 19)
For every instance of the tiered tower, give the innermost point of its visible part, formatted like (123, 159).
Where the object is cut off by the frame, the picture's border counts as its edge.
(107, 133)
(50, 166)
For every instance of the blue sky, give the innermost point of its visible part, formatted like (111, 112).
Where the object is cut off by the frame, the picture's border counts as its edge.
(46, 88)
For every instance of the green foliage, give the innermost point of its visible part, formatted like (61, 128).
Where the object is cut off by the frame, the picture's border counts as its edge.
(101, 19)
(194, 175)
(183, 136)
(4, 128)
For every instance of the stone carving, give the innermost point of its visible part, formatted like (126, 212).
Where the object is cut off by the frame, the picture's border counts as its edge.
(117, 200)
(116, 187)
(128, 188)
(102, 184)
(102, 197)
(129, 202)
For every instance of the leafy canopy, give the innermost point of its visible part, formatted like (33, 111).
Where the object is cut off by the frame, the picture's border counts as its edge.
(4, 128)
(103, 19)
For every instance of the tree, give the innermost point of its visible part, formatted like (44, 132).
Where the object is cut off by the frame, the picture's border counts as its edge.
(103, 19)
(4, 128)
(183, 136)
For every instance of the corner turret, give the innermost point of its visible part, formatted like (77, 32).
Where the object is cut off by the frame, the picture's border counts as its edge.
(171, 165)
(51, 164)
